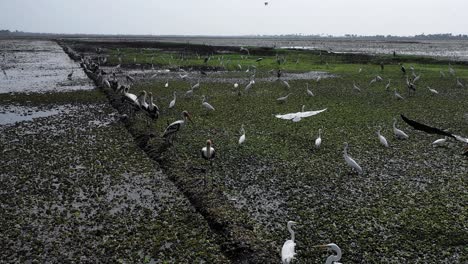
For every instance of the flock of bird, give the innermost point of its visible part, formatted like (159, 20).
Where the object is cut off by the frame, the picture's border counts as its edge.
(144, 102)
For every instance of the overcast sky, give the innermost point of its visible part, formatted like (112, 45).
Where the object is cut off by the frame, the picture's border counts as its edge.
(236, 17)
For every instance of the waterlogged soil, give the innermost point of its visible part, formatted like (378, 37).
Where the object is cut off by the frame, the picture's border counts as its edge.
(76, 188)
(38, 66)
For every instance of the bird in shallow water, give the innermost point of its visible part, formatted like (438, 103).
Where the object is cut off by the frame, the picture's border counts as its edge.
(333, 259)
(287, 251)
(350, 161)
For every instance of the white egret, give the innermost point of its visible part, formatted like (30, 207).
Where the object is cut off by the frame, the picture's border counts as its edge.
(355, 87)
(387, 87)
(360, 70)
(130, 97)
(208, 152)
(242, 137)
(247, 88)
(167, 84)
(174, 127)
(172, 103)
(286, 84)
(207, 105)
(309, 92)
(196, 85)
(372, 81)
(382, 139)
(189, 93)
(433, 91)
(142, 101)
(399, 134)
(296, 117)
(333, 259)
(350, 161)
(439, 142)
(397, 95)
(236, 85)
(287, 251)
(318, 141)
(378, 78)
(416, 78)
(459, 83)
(283, 99)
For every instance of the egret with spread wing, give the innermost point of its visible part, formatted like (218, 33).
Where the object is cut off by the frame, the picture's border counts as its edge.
(296, 117)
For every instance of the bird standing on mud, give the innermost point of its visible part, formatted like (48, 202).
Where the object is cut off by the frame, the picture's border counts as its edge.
(208, 152)
(350, 161)
(399, 134)
(287, 251)
(174, 127)
(172, 103)
(318, 141)
(242, 137)
(382, 139)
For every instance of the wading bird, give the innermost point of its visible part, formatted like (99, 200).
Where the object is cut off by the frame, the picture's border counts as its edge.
(309, 92)
(382, 139)
(439, 142)
(296, 117)
(153, 109)
(333, 259)
(286, 84)
(174, 127)
(387, 87)
(236, 85)
(287, 251)
(167, 84)
(172, 103)
(283, 99)
(399, 134)
(247, 88)
(460, 84)
(397, 95)
(207, 105)
(355, 87)
(350, 161)
(208, 152)
(433, 91)
(242, 137)
(318, 141)
(142, 101)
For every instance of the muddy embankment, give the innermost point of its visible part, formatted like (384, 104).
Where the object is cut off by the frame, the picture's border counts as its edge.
(239, 237)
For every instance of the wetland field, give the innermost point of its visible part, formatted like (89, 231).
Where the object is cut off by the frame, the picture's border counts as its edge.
(86, 177)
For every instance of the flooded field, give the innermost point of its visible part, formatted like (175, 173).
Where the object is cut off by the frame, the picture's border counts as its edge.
(37, 66)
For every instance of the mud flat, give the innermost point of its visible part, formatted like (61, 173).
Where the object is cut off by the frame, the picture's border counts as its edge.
(37, 66)
(76, 188)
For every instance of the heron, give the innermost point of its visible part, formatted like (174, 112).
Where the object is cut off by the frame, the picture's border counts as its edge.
(142, 101)
(207, 105)
(283, 99)
(176, 126)
(459, 83)
(373, 81)
(172, 103)
(247, 88)
(309, 92)
(287, 251)
(242, 137)
(433, 91)
(333, 259)
(350, 161)
(286, 84)
(397, 95)
(382, 139)
(439, 142)
(387, 87)
(399, 134)
(355, 87)
(318, 141)
(296, 117)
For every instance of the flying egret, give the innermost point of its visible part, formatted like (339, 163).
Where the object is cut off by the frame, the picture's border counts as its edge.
(439, 142)
(355, 87)
(350, 161)
(433, 91)
(172, 103)
(318, 141)
(333, 259)
(397, 95)
(399, 134)
(242, 137)
(208, 152)
(207, 105)
(309, 92)
(174, 127)
(283, 99)
(296, 117)
(382, 139)
(287, 251)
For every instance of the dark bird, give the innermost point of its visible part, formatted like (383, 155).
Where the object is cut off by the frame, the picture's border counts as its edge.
(426, 128)
(403, 69)
(382, 66)
(266, 3)
(174, 127)
(206, 59)
(70, 75)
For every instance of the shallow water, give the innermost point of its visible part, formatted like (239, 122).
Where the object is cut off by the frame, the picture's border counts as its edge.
(38, 66)
(14, 114)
